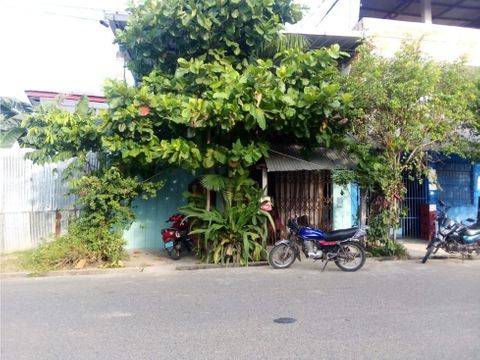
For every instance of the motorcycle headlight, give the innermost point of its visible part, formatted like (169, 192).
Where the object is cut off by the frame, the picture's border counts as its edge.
(444, 232)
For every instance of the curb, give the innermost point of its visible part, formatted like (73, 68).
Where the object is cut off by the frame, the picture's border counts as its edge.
(126, 270)
(391, 258)
(218, 266)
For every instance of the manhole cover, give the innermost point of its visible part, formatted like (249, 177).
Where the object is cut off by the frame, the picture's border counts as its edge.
(285, 320)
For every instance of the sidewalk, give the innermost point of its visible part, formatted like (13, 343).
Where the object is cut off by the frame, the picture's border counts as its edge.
(156, 261)
(417, 248)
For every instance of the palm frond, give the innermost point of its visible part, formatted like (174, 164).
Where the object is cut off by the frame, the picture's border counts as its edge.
(214, 182)
(284, 42)
(8, 138)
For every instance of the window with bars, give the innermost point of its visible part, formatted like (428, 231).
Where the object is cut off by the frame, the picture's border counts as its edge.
(456, 183)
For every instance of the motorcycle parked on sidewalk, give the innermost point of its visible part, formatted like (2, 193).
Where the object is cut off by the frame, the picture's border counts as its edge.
(453, 236)
(344, 246)
(175, 237)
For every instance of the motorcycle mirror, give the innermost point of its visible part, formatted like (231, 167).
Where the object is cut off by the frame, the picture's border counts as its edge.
(470, 220)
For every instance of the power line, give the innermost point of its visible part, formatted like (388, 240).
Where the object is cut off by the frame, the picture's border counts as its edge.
(49, 4)
(68, 16)
(328, 12)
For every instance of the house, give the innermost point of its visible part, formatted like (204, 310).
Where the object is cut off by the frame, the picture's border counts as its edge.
(448, 29)
(65, 101)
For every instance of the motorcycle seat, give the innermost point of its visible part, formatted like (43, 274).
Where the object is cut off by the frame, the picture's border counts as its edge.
(471, 232)
(341, 234)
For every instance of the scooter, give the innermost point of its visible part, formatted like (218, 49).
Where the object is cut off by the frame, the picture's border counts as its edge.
(175, 237)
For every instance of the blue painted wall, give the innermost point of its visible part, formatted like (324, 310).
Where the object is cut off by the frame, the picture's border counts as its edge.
(145, 233)
(355, 197)
(469, 210)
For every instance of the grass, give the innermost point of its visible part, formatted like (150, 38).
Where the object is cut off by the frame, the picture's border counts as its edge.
(15, 262)
(59, 254)
(392, 249)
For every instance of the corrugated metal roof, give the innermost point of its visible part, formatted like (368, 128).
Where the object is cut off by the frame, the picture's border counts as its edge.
(291, 159)
(444, 12)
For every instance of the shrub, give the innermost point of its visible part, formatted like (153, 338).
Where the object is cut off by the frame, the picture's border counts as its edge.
(235, 235)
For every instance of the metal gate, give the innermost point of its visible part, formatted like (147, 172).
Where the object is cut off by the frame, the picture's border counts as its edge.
(303, 193)
(416, 195)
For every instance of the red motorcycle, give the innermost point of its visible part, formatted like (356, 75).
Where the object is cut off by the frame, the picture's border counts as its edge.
(175, 237)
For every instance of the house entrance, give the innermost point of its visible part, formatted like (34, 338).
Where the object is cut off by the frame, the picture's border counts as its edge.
(298, 193)
(416, 195)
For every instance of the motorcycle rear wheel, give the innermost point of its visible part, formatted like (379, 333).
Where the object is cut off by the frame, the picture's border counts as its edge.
(175, 252)
(281, 256)
(350, 257)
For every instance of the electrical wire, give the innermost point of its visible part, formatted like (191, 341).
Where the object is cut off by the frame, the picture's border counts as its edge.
(328, 12)
(68, 16)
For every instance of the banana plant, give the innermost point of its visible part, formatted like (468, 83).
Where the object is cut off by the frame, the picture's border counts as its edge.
(12, 112)
(236, 234)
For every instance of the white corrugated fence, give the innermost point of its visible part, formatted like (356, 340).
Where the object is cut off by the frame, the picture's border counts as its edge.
(33, 204)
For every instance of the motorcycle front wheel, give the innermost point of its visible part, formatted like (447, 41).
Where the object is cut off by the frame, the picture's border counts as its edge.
(428, 253)
(350, 256)
(281, 256)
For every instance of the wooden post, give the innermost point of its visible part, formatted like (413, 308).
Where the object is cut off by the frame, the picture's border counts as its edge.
(363, 207)
(264, 180)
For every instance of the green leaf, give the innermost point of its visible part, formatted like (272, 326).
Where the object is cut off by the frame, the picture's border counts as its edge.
(7, 139)
(259, 115)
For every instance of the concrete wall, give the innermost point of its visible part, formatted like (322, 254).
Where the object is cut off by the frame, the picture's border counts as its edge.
(440, 42)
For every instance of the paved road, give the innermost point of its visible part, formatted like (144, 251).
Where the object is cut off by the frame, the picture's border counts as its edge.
(390, 310)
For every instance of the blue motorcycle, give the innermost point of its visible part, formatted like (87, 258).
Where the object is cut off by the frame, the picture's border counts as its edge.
(453, 236)
(344, 246)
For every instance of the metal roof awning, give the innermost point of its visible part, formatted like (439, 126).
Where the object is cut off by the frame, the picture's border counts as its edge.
(290, 159)
(348, 41)
(464, 13)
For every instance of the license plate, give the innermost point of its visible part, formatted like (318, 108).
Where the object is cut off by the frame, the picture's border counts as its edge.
(169, 245)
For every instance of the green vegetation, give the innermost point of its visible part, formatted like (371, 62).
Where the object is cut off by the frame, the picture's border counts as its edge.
(235, 234)
(217, 83)
(404, 108)
(12, 112)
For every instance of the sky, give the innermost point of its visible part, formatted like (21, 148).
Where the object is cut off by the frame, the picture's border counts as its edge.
(59, 45)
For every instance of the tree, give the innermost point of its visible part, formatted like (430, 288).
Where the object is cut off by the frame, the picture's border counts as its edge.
(211, 92)
(211, 95)
(404, 108)
(12, 112)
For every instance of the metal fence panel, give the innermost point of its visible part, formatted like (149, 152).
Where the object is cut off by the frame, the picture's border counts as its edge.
(33, 204)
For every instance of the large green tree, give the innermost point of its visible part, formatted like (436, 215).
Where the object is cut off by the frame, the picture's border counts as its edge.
(213, 93)
(214, 89)
(405, 108)
(206, 95)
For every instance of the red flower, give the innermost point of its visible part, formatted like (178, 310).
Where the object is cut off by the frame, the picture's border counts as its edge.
(144, 110)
